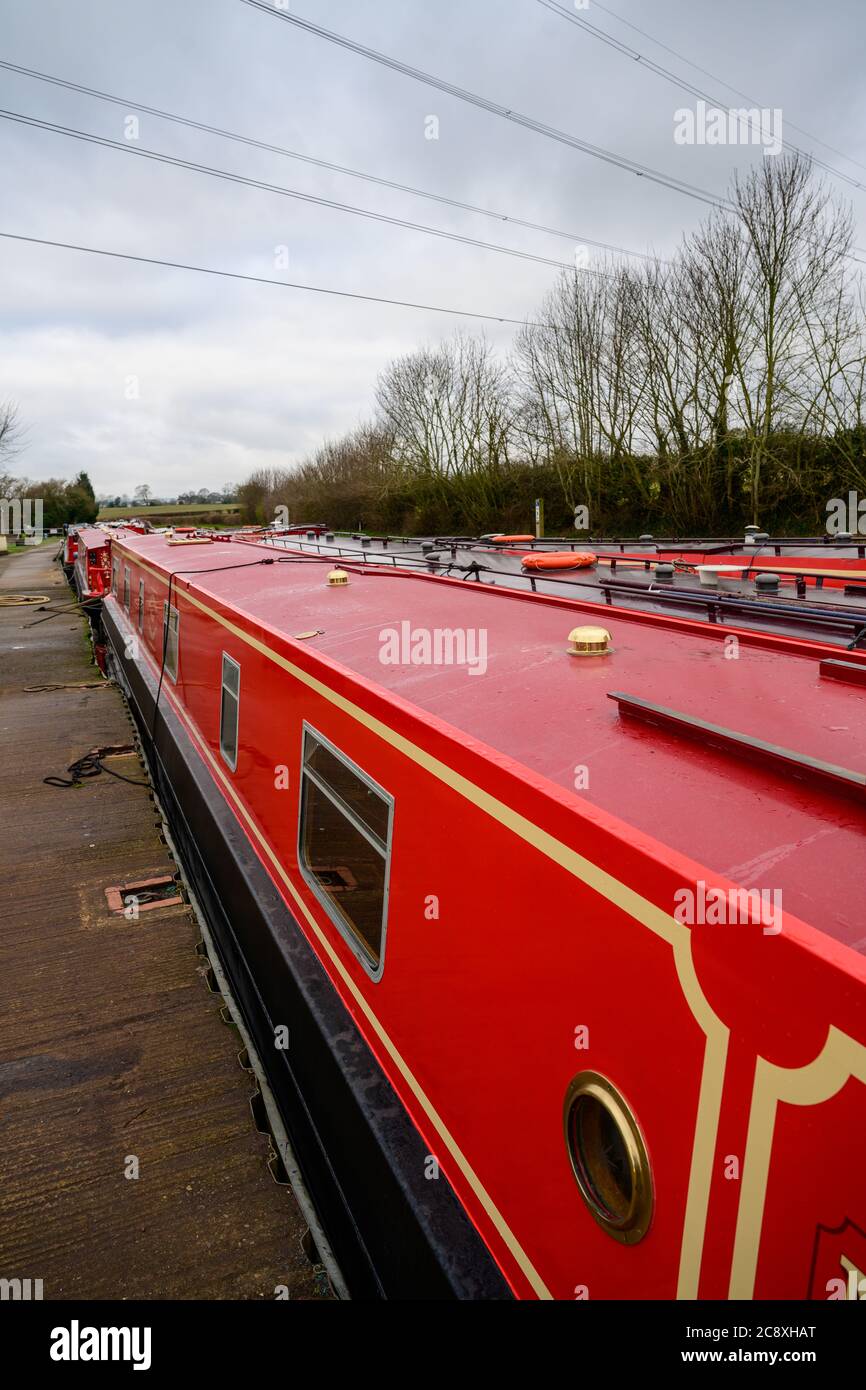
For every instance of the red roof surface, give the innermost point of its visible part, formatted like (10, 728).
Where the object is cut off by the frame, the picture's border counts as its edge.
(550, 711)
(91, 537)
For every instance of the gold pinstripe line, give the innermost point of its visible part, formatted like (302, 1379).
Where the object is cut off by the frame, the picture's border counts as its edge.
(706, 1122)
(840, 1058)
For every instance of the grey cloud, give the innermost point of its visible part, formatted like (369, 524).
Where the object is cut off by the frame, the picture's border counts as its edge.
(235, 375)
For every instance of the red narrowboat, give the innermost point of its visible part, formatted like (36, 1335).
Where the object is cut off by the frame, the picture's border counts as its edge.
(832, 562)
(92, 567)
(308, 530)
(561, 906)
(69, 551)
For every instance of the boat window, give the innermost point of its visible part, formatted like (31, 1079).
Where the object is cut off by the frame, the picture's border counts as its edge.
(126, 587)
(171, 621)
(229, 706)
(140, 604)
(344, 846)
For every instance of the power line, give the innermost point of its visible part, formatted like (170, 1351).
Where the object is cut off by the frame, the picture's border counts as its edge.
(682, 83)
(253, 143)
(495, 108)
(263, 280)
(706, 73)
(176, 162)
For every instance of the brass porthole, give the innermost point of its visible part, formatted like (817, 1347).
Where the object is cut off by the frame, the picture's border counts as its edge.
(608, 1157)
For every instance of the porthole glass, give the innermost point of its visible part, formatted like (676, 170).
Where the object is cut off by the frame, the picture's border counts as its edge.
(608, 1157)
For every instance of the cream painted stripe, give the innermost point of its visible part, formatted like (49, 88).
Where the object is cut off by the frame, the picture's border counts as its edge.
(840, 1058)
(622, 896)
(703, 1155)
(853, 574)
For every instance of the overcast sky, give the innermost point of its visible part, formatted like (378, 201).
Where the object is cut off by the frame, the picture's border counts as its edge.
(232, 375)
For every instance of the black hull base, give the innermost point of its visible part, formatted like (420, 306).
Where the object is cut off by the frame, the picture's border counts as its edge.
(394, 1232)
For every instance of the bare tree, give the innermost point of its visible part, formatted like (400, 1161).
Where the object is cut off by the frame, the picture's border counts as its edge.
(797, 241)
(737, 370)
(451, 418)
(10, 430)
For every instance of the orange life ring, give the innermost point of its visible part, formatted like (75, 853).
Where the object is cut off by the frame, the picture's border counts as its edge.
(559, 560)
(510, 540)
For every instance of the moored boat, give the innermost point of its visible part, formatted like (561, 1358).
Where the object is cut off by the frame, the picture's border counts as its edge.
(569, 951)
(829, 561)
(92, 565)
(69, 551)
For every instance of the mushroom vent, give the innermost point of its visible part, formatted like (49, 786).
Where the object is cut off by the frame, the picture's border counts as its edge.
(589, 641)
(337, 579)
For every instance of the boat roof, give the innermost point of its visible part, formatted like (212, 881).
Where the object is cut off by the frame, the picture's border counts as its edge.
(92, 537)
(551, 711)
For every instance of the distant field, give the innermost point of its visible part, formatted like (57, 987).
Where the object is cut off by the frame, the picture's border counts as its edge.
(219, 511)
